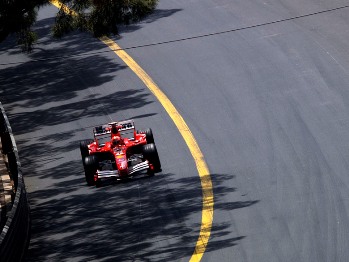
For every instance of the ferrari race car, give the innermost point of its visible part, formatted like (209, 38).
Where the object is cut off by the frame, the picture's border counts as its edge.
(120, 151)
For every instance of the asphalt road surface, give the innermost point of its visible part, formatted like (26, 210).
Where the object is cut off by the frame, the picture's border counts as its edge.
(267, 102)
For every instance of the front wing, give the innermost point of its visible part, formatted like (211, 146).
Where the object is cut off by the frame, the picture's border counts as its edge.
(131, 170)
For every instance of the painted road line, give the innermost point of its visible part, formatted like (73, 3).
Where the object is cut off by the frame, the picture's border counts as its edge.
(204, 173)
(206, 184)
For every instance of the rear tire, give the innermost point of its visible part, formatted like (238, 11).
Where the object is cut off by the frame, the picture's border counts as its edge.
(150, 153)
(90, 165)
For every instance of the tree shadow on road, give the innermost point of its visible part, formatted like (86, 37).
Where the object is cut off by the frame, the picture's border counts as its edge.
(113, 223)
(55, 91)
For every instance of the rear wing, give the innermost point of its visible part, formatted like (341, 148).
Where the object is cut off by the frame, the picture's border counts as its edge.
(125, 125)
(101, 130)
(106, 129)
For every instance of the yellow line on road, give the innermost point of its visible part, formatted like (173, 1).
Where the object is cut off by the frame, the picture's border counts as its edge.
(204, 173)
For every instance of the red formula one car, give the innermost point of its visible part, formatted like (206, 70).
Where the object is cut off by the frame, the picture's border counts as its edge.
(119, 151)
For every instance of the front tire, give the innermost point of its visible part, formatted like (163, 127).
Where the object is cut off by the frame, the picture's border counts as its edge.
(149, 136)
(150, 153)
(90, 165)
(84, 149)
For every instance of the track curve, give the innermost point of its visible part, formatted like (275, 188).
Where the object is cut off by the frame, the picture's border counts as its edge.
(268, 108)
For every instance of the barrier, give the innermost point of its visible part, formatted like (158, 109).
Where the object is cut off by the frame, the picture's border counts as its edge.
(15, 235)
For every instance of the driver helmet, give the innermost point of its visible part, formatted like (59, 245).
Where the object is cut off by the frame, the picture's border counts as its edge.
(116, 140)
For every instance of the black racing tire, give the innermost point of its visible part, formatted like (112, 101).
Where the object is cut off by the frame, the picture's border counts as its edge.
(84, 149)
(149, 136)
(98, 183)
(92, 161)
(89, 176)
(150, 153)
(90, 165)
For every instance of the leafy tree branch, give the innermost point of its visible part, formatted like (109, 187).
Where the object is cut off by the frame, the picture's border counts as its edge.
(99, 17)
